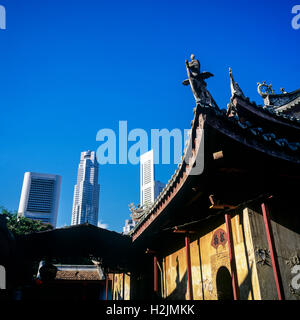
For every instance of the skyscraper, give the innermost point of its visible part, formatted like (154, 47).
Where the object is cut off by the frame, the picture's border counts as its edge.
(40, 197)
(147, 178)
(86, 191)
(149, 188)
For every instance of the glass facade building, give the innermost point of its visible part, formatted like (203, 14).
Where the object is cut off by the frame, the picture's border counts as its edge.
(86, 191)
(40, 197)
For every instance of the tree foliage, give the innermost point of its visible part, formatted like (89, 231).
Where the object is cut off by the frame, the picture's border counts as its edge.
(21, 225)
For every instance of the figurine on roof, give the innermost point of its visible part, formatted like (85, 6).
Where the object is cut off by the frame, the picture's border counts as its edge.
(196, 81)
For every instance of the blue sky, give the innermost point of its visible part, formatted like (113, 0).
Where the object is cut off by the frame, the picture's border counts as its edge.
(70, 68)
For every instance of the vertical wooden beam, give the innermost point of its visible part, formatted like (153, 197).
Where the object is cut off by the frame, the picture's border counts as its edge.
(113, 287)
(235, 285)
(155, 274)
(123, 286)
(188, 267)
(273, 253)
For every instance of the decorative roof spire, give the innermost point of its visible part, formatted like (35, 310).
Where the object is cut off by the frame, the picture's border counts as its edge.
(235, 88)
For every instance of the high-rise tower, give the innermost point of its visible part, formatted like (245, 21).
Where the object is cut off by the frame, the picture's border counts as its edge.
(86, 190)
(40, 197)
(149, 188)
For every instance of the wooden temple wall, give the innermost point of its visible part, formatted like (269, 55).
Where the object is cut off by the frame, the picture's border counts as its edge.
(121, 286)
(287, 243)
(207, 259)
(253, 262)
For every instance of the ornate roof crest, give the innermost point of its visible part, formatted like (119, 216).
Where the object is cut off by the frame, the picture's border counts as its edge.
(235, 88)
(138, 212)
(278, 102)
(264, 89)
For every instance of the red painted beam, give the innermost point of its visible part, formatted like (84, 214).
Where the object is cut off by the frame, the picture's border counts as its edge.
(155, 274)
(235, 285)
(273, 253)
(188, 267)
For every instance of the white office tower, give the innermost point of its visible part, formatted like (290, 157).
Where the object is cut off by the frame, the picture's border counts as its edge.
(86, 191)
(40, 197)
(150, 189)
(147, 178)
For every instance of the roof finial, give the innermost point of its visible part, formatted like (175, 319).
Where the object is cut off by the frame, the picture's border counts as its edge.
(196, 79)
(235, 88)
(283, 91)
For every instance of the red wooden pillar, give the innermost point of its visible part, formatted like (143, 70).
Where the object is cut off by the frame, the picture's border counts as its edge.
(155, 274)
(235, 285)
(273, 253)
(188, 267)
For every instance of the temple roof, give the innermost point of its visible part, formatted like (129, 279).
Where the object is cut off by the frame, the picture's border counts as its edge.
(79, 272)
(256, 139)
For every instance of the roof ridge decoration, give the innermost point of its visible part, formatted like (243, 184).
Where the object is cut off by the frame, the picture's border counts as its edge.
(265, 90)
(268, 89)
(198, 85)
(137, 212)
(236, 91)
(234, 86)
(278, 102)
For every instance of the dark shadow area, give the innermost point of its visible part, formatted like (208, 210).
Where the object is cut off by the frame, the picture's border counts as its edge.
(246, 286)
